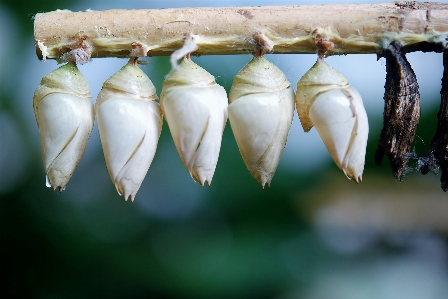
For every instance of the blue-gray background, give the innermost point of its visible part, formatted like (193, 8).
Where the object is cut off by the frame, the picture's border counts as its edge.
(313, 234)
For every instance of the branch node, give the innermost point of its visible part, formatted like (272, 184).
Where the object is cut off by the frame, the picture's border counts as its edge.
(262, 44)
(80, 53)
(407, 4)
(322, 42)
(138, 49)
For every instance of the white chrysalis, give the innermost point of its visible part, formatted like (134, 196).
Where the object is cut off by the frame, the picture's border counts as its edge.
(326, 100)
(260, 114)
(64, 114)
(195, 108)
(129, 123)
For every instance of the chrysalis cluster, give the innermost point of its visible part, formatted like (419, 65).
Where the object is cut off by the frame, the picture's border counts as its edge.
(260, 114)
(401, 110)
(129, 123)
(195, 108)
(260, 109)
(326, 101)
(64, 115)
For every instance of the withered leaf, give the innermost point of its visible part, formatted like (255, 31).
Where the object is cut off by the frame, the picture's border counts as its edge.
(439, 142)
(401, 110)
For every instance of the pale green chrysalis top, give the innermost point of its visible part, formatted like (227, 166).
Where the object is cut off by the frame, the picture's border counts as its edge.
(259, 75)
(132, 82)
(320, 78)
(188, 73)
(65, 79)
(322, 74)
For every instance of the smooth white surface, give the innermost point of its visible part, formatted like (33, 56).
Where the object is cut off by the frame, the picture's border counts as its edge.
(340, 119)
(65, 122)
(129, 131)
(196, 117)
(334, 120)
(260, 123)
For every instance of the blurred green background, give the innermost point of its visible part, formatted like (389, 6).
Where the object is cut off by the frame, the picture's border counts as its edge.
(313, 234)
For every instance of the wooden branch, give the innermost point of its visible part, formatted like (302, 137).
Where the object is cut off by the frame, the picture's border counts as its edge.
(356, 28)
